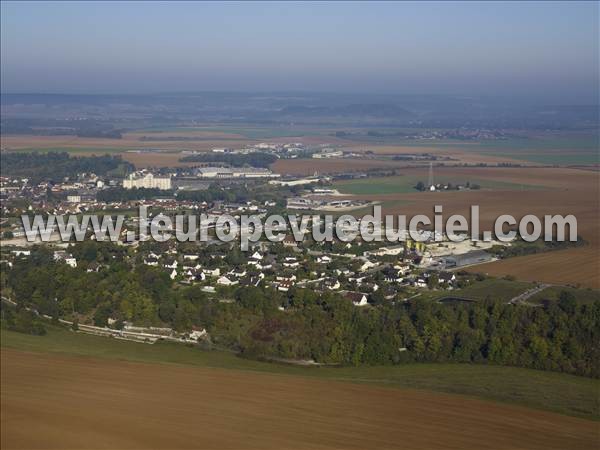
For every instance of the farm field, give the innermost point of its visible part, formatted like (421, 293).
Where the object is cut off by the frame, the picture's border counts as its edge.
(578, 267)
(546, 149)
(493, 288)
(92, 392)
(344, 165)
(552, 294)
(572, 395)
(406, 184)
(516, 151)
(155, 159)
(201, 141)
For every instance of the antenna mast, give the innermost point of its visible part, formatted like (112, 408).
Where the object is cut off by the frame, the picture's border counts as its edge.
(430, 183)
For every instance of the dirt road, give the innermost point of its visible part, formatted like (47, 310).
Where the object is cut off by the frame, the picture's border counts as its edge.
(55, 401)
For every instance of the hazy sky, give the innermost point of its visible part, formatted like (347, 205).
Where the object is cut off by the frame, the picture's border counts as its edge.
(547, 50)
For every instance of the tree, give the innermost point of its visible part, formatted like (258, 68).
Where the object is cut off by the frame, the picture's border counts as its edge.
(433, 281)
(567, 302)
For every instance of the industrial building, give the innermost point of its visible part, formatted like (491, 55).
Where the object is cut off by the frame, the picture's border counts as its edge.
(147, 180)
(234, 172)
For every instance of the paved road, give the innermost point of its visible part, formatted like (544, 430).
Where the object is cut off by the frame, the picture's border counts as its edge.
(521, 299)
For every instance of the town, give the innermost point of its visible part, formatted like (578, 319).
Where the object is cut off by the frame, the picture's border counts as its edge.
(367, 274)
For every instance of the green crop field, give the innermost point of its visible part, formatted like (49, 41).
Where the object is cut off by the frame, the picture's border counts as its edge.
(247, 132)
(552, 293)
(79, 150)
(567, 394)
(560, 151)
(404, 184)
(552, 150)
(494, 289)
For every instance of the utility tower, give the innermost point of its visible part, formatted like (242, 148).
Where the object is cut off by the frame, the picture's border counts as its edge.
(430, 182)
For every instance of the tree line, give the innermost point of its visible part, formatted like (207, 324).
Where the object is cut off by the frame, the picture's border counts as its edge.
(56, 166)
(255, 159)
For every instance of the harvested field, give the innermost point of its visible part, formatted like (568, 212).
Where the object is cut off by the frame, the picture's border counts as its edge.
(331, 166)
(578, 266)
(156, 159)
(199, 141)
(463, 152)
(57, 401)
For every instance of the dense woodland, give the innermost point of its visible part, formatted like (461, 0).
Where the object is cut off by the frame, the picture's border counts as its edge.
(559, 336)
(234, 193)
(255, 159)
(55, 166)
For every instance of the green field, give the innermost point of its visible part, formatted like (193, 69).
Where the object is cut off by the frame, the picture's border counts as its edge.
(404, 184)
(567, 394)
(495, 289)
(552, 293)
(560, 150)
(95, 150)
(556, 150)
(247, 132)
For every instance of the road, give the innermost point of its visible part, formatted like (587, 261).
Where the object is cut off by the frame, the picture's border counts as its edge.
(521, 299)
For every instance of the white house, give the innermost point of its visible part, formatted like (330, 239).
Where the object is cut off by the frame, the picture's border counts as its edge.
(332, 284)
(237, 273)
(212, 272)
(224, 281)
(367, 265)
(421, 282)
(63, 256)
(357, 298)
(403, 269)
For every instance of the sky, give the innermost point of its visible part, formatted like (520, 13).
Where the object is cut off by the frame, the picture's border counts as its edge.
(546, 50)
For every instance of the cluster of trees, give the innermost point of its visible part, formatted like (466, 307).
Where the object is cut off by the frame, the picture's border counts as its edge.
(240, 193)
(233, 193)
(256, 159)
(60, 127)
(119, 194)
(55, 166)
(21, 320)
(521, 247)
(559, 336)
(420, 186)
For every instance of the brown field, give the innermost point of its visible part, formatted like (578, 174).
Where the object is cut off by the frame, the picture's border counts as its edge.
(559, 191)
(335, 165)
(457, 152)
(56, 401)
(156, 159)
(130, 141)
(206, 140)
(330, 166)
